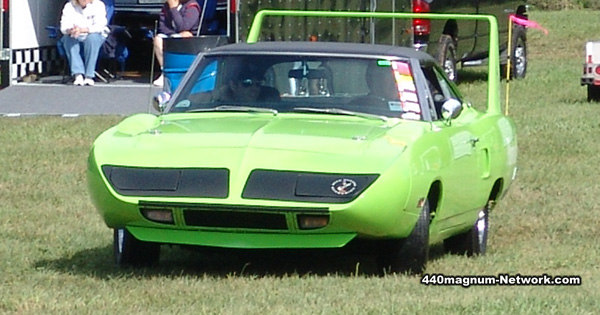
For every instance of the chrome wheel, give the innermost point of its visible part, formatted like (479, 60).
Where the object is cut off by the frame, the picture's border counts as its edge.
(447, 56)
(473, 241)
(130, 251)
(482, 230)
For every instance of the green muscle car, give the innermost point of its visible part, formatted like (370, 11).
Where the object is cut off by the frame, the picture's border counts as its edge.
(295, 145)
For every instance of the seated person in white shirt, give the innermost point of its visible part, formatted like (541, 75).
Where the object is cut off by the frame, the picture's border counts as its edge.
(83, 23)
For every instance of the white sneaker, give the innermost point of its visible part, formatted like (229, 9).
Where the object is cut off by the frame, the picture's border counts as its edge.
(88, 81)
(160, 81)
(78, 80)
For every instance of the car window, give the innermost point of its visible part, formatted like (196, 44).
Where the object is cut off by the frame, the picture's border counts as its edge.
(286, 83)
(445, 85)
(439, 88)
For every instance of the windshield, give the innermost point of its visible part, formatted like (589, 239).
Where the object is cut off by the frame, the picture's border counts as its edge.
(328, 85)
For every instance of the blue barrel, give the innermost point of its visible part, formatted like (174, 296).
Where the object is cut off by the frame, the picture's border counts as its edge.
(179, 53)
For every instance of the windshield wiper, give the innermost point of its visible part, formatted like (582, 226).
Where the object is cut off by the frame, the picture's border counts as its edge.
(233, 108)
(338, 111)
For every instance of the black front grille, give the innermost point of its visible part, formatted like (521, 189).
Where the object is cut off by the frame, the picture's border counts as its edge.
(235, 219)
(306, 187)
(168, 182)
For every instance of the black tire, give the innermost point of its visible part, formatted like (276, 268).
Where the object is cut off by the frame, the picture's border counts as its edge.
(129, 251)
(447, 56)
(474, 241)
(408, 255)
(593, 93)
(518, 55)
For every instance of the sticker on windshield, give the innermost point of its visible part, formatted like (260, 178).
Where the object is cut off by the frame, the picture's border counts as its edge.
(183, 104)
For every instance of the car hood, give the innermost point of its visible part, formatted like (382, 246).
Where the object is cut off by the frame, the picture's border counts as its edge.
(304, 142)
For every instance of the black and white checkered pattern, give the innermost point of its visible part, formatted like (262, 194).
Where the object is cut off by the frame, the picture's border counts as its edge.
(36, 60)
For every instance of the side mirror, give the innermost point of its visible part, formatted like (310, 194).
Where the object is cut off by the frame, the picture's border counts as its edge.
(451, 109)
(160, 100)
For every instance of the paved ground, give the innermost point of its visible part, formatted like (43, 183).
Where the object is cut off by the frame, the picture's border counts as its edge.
(48, 96)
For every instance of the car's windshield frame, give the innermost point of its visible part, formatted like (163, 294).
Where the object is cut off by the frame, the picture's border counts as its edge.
(178, 102)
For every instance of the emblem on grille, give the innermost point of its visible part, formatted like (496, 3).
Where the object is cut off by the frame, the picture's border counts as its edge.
(343, 186)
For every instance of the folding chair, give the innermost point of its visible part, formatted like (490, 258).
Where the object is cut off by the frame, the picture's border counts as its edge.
(113, 52)
(54, 33)
(209, 24)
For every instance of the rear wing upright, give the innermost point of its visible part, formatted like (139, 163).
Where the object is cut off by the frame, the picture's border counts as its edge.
(493, 95)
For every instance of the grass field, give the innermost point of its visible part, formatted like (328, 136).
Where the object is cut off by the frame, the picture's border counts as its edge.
(56, 253)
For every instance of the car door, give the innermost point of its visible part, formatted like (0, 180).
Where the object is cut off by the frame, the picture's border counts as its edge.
(457, 140)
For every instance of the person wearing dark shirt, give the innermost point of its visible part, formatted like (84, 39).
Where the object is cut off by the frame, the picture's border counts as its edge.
(248, 86)
(244, 87)
(178, 18)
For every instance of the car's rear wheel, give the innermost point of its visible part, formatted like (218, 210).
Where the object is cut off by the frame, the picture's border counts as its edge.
(408, 255)
(447, 56)
(474, 241)
(593, 93)
(129, 251)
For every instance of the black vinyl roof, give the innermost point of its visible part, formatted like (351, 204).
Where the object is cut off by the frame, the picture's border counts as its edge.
(326, 48)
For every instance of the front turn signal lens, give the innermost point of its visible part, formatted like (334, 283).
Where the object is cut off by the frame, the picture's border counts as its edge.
(160, 216)
(310, 222)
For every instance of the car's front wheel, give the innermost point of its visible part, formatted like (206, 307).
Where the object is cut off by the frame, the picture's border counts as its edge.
(129, 251)
(474, 241)
(410, 254)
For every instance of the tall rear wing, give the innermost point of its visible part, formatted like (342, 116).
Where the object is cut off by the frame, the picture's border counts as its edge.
(493, 95)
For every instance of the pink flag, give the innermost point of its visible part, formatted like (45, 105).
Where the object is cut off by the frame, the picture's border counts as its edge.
(527, 23)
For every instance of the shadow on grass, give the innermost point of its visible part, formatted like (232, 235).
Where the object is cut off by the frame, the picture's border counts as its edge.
(352, 261)
(470, 76)
(477, 75)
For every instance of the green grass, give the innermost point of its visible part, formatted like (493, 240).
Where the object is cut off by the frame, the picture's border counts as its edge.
(56, 253)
